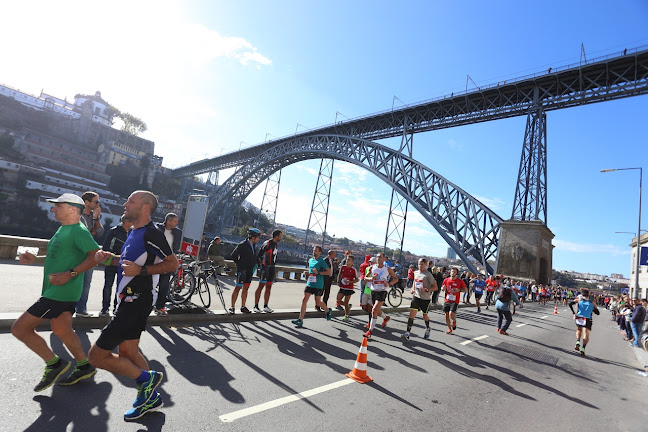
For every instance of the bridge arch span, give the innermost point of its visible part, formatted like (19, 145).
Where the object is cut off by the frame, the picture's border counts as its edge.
(469, 227)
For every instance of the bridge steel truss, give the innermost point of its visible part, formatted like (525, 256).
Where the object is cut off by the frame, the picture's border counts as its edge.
(467, 225)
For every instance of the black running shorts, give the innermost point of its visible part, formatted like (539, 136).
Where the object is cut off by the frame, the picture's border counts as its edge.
(128, 324)
(450, 307)
(378, 296)
(47, 308)
(420, 305)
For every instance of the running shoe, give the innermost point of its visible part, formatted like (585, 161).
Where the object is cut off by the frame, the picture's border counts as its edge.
(104, 314)
(256, 309)
(427, 334)
(478, 310)
(161, 312)
(51, 375)
(146, 389)
(503, 333)
(498, 330)
(83, 314)
(454, 325)
(346, 318)
(267, 309)
(577, 347)
(77, 375)
(153, 404)
(245, 310)
(583, 351)
(368, 334)
(405, 336)
(339, 307)
(449, 331)
(486, 307)
(329, 314)
(298, 322)
(385, 321)
(232, 311)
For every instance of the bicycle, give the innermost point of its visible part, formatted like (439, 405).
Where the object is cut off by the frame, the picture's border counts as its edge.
(206, 271)
(182, 282)
(395, 296)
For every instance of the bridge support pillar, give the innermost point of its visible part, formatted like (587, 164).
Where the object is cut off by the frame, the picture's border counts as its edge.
(525, 250)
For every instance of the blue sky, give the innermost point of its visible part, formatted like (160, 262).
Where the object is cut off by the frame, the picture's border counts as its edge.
(208, 75)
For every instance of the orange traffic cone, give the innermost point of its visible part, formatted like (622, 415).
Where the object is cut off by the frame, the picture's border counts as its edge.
(359, 372)
(556, 309)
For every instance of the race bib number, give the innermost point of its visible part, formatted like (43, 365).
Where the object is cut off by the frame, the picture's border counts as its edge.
(581, 321)
(312, 278)
(419, 285)
(451, 297)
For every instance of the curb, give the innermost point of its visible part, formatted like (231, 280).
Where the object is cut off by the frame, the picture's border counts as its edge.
(175, 320)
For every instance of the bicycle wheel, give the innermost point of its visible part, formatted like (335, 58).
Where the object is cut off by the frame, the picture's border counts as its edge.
(219, 291)
(203, 291)
(394, 297)
(180, 290)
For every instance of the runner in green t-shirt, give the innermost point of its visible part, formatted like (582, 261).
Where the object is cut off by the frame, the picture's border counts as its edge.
(70, 252)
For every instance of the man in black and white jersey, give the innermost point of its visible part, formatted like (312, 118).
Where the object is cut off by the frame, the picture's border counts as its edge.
(144, 256)
(268, 256)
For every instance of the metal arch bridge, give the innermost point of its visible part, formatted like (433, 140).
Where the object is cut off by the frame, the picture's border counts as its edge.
(467, 225)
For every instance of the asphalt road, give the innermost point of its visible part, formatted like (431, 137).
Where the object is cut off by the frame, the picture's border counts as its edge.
(532, 380)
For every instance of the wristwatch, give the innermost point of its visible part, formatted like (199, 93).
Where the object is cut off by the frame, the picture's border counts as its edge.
(73, 273)
(143, 272)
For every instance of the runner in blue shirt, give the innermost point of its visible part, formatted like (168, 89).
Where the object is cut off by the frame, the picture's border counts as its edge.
(583, 318)
(479, 286)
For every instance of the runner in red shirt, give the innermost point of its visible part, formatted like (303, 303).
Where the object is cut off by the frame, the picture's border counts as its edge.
(492, 284)
(452, 287)
(347, 277)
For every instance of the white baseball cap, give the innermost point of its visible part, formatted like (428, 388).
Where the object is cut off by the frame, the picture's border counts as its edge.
(70, 199)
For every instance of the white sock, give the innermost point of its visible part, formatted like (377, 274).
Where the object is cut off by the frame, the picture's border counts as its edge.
(382, 315)
(373, 323)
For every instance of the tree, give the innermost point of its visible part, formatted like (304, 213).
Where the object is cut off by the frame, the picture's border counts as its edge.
(130, 124)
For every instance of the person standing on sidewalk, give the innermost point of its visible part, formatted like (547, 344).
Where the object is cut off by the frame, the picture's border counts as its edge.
(70, 252)
(145, 255)
(173, 236)
(503, 307)
(214, 255)
(637, 322)
(90, 219)
(113, 242)
(328, 280)
(317, 269)
(268, 256)
(244, 256)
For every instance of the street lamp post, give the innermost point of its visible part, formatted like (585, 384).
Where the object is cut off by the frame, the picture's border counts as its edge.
(638, 256)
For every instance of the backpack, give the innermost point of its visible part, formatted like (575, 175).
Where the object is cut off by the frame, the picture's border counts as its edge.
(504, 294)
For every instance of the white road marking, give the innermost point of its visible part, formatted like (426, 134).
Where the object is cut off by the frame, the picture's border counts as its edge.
(473, 340)
(228, 418)
(546, 316)
(521, 325)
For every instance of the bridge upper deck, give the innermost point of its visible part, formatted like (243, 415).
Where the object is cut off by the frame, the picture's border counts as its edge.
(599, 80)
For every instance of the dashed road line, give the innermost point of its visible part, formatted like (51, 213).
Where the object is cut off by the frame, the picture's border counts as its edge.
(228, 418)
(546, 316)
(521, 325)
(473, 340)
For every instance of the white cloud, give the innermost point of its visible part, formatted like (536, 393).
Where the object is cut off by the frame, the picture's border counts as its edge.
(590, 248)
(492, 203)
